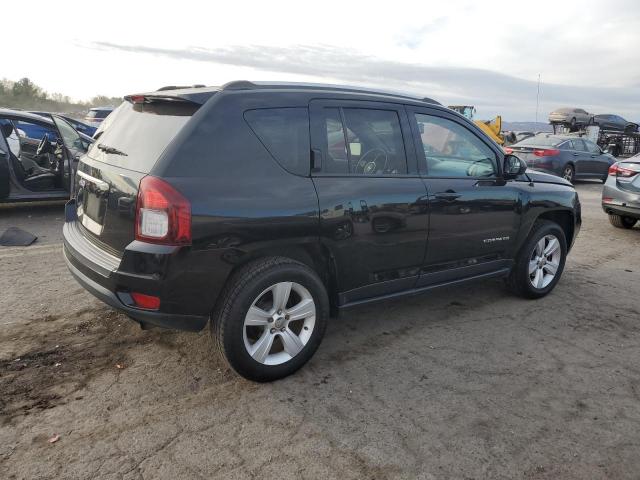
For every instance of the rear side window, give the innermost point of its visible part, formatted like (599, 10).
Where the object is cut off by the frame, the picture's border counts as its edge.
(285, 134)
(578, 145)
(136, 135)
(362, 141)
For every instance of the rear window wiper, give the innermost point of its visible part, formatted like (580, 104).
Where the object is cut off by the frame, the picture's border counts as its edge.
(112, 150)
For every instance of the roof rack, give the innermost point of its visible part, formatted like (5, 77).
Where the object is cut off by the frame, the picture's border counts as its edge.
(247, 85)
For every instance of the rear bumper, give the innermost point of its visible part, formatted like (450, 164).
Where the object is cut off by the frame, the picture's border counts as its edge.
(105, 276)
(158, 319)
(619, 201)
(623, 210)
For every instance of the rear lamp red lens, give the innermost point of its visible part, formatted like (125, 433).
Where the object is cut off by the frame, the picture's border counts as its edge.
(163, 215)
(148, 302)
(619, 171)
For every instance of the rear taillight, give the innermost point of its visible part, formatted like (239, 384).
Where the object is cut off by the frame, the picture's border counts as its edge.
(137, 98)
(163, 215)
(617, 171)
(508, 150)
(550, 152)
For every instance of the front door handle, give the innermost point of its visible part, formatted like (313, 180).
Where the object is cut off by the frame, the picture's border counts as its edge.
(575, 154)
(449, 196)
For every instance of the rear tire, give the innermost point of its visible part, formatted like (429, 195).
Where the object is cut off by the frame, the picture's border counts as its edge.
(540, 262)
(569, 173)
(251, 313)
(620, 221)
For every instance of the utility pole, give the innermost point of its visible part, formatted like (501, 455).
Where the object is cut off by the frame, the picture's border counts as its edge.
(538, 98)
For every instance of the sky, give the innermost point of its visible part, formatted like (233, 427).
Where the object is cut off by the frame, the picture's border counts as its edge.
(487, 54)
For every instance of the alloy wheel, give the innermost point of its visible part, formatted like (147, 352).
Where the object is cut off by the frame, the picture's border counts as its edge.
(544, 261)
(568, 173)
(279, 323)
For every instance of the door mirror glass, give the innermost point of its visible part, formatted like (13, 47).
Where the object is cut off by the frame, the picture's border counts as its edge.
(513, 166)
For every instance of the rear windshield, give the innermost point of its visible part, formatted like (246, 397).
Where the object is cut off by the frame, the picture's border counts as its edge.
(98, 113)
(541, 141)
(139, 133)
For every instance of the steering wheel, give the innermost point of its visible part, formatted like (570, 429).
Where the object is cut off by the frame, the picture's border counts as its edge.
(370, 166)
(44, 146)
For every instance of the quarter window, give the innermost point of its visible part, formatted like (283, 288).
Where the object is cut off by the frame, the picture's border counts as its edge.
(285, 134)
(361, 141)
(450, 150)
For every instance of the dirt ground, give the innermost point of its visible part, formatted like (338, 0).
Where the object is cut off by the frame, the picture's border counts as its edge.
(462, 383)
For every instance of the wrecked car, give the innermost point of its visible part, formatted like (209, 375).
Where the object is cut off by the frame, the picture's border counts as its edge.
(38, 156)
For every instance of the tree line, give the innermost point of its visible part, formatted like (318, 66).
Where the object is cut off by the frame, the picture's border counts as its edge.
(26, 95)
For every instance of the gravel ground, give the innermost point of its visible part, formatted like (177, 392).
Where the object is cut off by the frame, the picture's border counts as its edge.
(461, 383)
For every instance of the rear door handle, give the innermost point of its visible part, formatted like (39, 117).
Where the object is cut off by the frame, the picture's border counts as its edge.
(447, 196)
(575, 154)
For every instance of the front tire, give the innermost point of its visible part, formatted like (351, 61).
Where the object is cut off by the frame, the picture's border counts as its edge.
(270, 319)
(540, 262)
(620, 221)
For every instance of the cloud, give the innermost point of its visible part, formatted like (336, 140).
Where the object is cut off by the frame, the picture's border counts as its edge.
(413, 38)
(490, 91)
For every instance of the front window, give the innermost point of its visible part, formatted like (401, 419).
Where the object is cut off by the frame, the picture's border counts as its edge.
(592, 147)
(450, 150)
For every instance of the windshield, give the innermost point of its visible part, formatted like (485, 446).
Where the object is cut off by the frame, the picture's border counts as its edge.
(540, 141)
(135, 135)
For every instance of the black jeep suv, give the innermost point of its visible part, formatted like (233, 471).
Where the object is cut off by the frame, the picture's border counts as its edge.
(267, 207)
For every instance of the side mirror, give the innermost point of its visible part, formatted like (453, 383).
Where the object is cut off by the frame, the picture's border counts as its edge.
(512, 167)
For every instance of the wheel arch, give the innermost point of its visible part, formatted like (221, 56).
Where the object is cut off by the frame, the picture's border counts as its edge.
(314, 255)
(565, 219)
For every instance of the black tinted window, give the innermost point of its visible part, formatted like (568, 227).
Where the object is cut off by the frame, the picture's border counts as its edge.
(285, 133)
(450, 150)
(140, 133)
(369, 142)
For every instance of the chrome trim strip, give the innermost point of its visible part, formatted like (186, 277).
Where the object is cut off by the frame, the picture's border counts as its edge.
(101, 184)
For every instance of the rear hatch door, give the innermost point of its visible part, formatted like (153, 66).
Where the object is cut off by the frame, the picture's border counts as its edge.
(127, 146)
